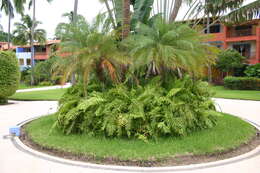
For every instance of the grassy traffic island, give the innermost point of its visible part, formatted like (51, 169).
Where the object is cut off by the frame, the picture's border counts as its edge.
(230, 137)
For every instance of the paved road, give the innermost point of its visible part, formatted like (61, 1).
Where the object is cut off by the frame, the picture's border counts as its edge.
(13, 160)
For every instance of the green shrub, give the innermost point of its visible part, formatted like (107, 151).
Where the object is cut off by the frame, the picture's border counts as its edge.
(9, 75)
(253, 70)
(242, 83)
(42, 73)
(141, 112)
(228, 60)
(45, 83)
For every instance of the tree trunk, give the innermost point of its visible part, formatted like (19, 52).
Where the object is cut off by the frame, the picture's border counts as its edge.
(126, 19)
(175, 11)
(32, 43)
(74, 21)
(9, 26)
(209, 66)
(110, 14)
(75, 12)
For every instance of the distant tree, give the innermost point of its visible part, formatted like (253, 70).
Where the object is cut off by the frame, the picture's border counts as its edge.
(228, 60)
(4, 36)
(8, 6)
(23, 35)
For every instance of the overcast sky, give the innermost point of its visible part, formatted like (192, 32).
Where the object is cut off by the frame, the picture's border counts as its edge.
(50, 14)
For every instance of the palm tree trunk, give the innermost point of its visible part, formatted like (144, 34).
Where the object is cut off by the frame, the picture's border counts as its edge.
(75, 12)
(126, 18)
(32, 43)
(175, 11)
(110, 14)
(74, 21)
(9, 26)
(209, 67)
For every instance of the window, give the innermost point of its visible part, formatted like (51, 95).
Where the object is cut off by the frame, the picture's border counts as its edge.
(21, 61)
(26, 49)
(214, 29)
(243, 27)
(40, 49)
(28, 61)
(244, 49)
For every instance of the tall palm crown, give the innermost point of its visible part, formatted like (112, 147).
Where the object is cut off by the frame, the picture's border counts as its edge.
(88, 48)
(246, 12)
(162, 46)
(22, 33)
(9, 5)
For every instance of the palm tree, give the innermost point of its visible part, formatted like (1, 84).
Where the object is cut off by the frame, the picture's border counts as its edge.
(61, 27)
(75, 12)
(247, 12)
(87, 50)
(161, 47)
(24, 34)
(110, 13)
(34, 23)
(7, 6)
(126, 19)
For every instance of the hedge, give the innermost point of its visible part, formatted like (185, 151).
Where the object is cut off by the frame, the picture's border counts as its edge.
(242, 83)
(9, 75)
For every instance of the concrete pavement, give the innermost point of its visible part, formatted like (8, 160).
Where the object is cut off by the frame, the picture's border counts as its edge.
(67, 85)
(13, 160)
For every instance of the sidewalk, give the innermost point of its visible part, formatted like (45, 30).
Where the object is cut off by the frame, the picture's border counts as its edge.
(13, 160)
(67, 85)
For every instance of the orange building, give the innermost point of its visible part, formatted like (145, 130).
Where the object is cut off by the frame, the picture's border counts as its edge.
(245, 38)
(23, 53)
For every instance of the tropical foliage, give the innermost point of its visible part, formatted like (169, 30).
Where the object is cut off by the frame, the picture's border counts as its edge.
(164, 47)
(88, 49)
(246, 12)
(131, 72)
(23, 35)
(142, 112)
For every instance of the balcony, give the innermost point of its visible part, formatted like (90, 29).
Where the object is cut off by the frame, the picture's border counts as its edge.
(241, 33)
(23, 55)
(41, 55)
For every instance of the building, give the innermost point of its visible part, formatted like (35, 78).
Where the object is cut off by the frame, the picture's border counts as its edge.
(23, 53)
(245, 38)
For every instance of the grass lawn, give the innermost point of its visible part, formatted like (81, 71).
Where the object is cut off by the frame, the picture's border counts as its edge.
(54, 94)
(222, 92)
(230, 132)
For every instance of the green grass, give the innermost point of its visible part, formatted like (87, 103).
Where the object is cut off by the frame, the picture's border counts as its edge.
(54, 94)
(230, 132)
(222, 92)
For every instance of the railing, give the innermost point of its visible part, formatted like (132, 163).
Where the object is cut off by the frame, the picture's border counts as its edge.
(23, 55)
(241, 33)
(252, 55)
(249, 55)
(40, 53)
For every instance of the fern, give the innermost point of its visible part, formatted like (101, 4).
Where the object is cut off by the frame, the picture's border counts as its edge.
(143, 112)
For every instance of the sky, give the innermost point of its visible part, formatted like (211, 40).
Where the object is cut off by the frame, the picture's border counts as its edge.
(50, 14)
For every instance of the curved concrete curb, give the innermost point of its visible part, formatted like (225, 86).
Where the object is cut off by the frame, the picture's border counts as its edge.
(22, 147)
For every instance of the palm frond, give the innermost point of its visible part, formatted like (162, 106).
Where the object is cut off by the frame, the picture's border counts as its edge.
(247, 12)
